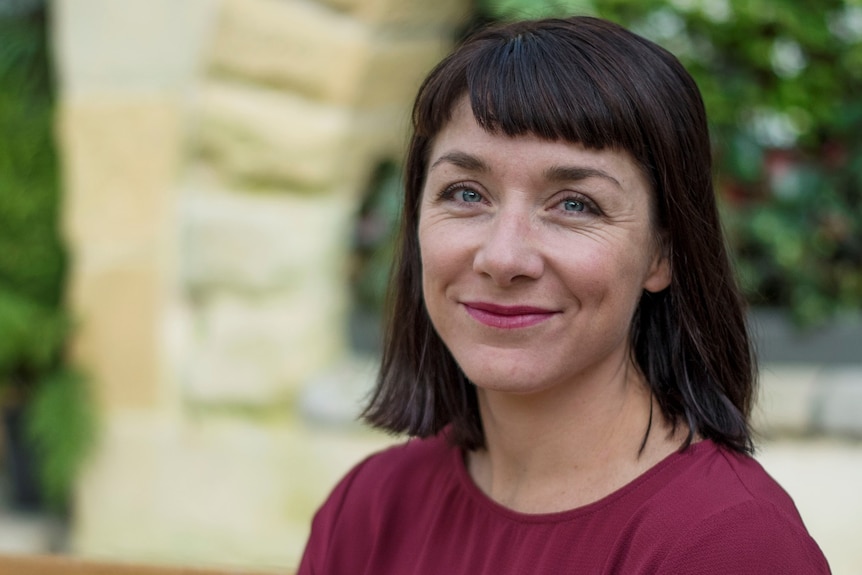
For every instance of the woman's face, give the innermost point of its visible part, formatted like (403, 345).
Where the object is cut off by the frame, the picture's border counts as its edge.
(534, 256)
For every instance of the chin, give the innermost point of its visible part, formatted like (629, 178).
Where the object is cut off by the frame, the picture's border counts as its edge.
(505, 381)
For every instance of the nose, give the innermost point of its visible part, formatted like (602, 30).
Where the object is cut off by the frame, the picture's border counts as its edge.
(508, 253)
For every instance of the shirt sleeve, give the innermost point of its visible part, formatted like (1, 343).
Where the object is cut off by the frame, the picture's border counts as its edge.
(750, 538)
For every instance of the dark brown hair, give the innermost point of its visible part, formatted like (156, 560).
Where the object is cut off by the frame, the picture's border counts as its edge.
(587, 81)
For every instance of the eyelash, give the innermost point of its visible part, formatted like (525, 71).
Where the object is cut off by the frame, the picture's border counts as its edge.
(448, 194)
(589, 206)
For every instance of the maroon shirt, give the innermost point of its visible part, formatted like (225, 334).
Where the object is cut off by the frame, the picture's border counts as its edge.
(415, 509)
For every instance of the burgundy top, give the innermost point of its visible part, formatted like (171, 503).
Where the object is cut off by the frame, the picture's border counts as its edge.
(414, 509)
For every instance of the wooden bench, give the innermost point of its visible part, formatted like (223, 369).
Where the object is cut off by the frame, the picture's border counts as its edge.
(65, 565)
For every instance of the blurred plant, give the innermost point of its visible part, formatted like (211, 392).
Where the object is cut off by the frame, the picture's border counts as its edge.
(374, 238)
(34, 380)
(522, 9)
(781, 84)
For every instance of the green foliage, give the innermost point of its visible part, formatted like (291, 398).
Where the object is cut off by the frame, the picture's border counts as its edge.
(31, 260)
(33, 326)
(31, 335)
(60, 425)
(375, 238)
(521, 9)
(781, 82)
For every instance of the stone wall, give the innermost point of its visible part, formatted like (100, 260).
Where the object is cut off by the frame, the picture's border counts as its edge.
(215, 155)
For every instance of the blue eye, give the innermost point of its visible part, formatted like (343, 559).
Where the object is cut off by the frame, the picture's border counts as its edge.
(469, 196)
(574, 205)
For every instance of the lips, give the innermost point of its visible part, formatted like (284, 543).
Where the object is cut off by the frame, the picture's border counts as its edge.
(507, 317)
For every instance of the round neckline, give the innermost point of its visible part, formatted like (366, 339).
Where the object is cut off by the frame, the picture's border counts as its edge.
(485, 501)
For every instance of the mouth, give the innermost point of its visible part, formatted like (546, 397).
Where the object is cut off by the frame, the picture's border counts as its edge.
(507, 317)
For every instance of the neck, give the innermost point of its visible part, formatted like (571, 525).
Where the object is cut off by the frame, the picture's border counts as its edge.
(570, 445)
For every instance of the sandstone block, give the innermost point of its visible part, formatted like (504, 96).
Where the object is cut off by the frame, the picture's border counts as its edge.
(308, 49)
(272, 138)
(139, 46)
(117, 307)
(380, 135)
(210, 490)
(194, 496)
(259, 351)
(444, 15)
(120, 157)
(258, 242)
(336, 396)
(299, 45)
(395, 68)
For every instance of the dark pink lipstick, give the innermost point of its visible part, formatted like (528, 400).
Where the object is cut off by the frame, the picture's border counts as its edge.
(507, 317)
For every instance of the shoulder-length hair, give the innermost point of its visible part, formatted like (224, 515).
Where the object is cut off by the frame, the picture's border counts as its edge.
(592, 82)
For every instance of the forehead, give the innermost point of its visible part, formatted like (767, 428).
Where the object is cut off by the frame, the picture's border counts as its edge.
(463, 144)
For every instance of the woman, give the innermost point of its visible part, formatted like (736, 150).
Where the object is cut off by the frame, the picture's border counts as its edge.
(567, 344)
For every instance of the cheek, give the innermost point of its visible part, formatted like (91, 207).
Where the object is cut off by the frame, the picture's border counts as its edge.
(607, 272)
(438, 273)
(441, 251)
(434, 258)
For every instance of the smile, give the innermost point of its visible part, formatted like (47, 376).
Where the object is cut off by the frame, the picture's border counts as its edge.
(507, 317)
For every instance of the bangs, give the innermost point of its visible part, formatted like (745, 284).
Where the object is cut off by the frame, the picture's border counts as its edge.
(538, 82)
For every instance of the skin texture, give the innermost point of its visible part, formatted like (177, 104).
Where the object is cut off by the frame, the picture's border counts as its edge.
(534, 255)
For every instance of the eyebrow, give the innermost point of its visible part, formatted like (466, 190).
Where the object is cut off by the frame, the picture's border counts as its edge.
(473, 163)
(577, 173)
(462, 160)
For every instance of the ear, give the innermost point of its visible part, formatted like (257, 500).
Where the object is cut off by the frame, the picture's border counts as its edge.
(659, 274)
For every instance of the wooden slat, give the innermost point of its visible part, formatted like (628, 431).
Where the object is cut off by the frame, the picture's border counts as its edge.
(61, 565)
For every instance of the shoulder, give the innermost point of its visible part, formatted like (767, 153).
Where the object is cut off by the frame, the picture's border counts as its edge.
(391, 487)
(716, 478)
(404, 468)
(721, 512)
(399, 470)
(406, 457)
(751, 537)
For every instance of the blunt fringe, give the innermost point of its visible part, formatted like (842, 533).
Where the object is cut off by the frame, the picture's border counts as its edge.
(588, 81)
